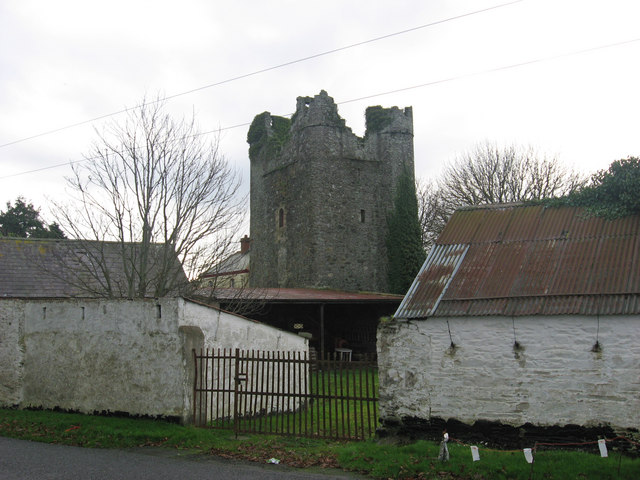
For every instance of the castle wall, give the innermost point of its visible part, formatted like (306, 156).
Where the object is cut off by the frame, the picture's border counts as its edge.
(320, 198)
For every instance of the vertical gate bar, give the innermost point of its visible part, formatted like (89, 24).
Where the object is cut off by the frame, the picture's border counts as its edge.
(372, 378)
(299, 391)
(334, 394)
(342, 391)
(369, 396)
(258, 407)
(254, 382)
(251, 389)
(271, 388)
(215, 363)
(275, 382)
(326, 379)
(288, 393)
(348, 371)
(364, 395)
(235, 393)
(218, 416)
(226, 386)
(218, 413)
(263, 407)
(243, 388)
(321, 369)
(212, 409)
(309, 404)
(230, 385)
(206, 383)
(281, 390)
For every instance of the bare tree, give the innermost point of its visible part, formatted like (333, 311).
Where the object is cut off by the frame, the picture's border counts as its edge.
(489, 174)
(431, 212)
(154, 186)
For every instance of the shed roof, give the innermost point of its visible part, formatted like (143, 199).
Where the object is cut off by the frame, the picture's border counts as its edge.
(53, 268)
(529, 260)
(296, 295)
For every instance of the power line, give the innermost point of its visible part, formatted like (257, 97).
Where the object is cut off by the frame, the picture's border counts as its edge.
(258, 72)
(494, 70)
(389, 92)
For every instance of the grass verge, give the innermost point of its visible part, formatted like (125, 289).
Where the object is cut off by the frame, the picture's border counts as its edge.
(414, 461)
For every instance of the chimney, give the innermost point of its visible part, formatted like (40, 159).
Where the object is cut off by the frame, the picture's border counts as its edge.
(245, 244)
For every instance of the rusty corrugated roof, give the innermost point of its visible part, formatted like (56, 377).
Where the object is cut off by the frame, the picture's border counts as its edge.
(529, 260)
(296, 295)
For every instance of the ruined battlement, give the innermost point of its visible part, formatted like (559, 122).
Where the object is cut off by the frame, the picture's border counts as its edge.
(320, 195)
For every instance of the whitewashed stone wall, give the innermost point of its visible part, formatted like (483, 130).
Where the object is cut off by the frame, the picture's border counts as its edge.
(103, 355)
(132, 356)
(225, 330)
(554, 378)
(11, 351)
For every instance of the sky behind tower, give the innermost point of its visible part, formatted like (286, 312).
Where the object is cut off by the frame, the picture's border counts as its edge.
(559, 75)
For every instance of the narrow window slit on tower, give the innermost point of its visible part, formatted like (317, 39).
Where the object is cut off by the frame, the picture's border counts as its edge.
(281, 218)
(362, 216)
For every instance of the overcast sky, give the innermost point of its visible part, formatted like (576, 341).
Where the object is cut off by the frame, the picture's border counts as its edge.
(531, 73)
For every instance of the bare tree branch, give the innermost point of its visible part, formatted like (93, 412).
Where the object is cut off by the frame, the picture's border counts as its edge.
(489, 174)
(153, 182)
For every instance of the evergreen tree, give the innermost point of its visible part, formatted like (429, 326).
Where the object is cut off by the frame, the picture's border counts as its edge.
(404, 238)
(22, 220)
(612, 193)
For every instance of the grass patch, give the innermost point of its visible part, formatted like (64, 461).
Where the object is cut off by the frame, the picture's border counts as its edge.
(340, 405)
(416, 460)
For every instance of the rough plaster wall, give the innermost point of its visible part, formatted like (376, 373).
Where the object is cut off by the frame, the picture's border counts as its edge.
(11, 352)
(104, 355)
(556, 379)
(225, 330)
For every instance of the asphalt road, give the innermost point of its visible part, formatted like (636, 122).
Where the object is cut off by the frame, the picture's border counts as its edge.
(23, 460)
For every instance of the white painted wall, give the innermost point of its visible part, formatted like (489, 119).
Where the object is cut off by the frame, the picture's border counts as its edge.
(226, 330)
(11, 351)
(129, 356)
(556, 379)
(103, 355)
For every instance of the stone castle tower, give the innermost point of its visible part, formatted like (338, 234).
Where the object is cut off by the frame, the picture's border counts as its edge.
(320, 195)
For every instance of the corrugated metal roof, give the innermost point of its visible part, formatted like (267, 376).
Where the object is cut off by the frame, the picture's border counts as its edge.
(293, 295)
(529, 260)
(433, 278)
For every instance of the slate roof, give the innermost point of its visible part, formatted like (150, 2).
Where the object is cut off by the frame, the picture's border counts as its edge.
(48, 268)
(529, 260)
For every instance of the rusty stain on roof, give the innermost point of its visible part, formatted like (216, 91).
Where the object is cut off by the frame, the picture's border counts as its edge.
(529, 260)
(295, 295)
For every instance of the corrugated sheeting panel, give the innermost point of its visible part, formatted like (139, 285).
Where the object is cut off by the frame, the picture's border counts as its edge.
(530, 260)
(432, 280)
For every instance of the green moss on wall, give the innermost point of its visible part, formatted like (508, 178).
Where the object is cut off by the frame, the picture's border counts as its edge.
(268, 131)
(377, 119)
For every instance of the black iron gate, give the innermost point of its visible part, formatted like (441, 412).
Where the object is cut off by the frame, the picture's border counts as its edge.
(286, 393)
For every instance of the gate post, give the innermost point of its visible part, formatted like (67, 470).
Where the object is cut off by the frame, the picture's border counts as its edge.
(192, 339)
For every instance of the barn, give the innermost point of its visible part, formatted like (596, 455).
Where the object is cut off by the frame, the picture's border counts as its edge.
(523, 322)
